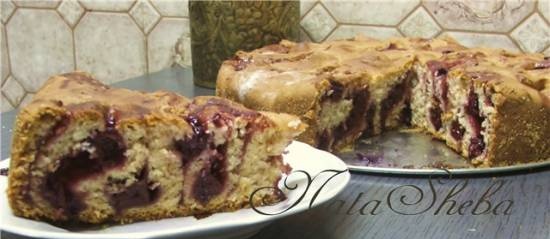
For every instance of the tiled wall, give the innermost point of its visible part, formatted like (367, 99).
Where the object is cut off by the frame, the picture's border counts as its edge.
(112, 39)
(119, 39)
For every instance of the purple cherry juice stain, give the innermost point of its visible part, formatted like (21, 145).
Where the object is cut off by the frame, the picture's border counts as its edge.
(370, 159)
(542, 65)
(4, 171)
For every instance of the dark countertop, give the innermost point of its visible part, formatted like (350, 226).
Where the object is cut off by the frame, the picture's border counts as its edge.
(487, 206)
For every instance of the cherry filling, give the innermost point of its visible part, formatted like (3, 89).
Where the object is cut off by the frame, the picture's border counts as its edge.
(542, 64)
(435, 117)
(335, 93)
(353, 123)
(399, 92)
(475, 120)
(406, 114)
(239, 63)
(441, 77)
(140, 193)
(193, 146)
(323, 140)
(457, 131)
(371, 111)
(211, 179)
(58, 188)
(476, 146)
(440, 85)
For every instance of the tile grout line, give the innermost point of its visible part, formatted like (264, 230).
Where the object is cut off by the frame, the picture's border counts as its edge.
(307, 33)
(86, 12)
(74, 46)
(546, 21)
(36, 8)
(161, 17)
(81, 16)
(333, 18)
(419, 5)
(10, 68)
(135, 22)
(309, 10)
(71, 28)
(442, 29)
(144, 35)
(510, 32)
(301, 18)
(13, 13)
(8, 99)
(397, 26)
(22, 98)
(523, 20)
(5, 32)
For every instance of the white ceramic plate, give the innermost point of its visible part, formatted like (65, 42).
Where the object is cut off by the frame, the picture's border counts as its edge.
(238, 224)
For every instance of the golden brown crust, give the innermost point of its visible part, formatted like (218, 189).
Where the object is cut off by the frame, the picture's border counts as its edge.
(521, 133)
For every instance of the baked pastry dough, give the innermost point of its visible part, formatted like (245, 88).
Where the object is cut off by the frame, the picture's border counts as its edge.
(490, 105)
(85, 152)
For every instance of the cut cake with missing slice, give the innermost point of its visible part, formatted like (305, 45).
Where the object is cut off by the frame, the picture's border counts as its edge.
(489, 105)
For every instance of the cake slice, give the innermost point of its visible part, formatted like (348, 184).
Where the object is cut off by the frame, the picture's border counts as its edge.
(85, 152)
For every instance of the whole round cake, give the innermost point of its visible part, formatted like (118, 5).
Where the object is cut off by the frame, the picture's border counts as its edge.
(490, 105)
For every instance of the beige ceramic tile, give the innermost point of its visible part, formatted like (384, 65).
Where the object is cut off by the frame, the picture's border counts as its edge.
(37, 3)
(40, 45)
(483, 40)
(5, 105)
(71, 11)
(13, 91)
(145, 15)
(162, 42)
(107, 5)
(318, 23)
(546, 52)
(387, 12)
(4, 62)
(110, 46)
(172, 8)
(7, 10)
(305, 5)
(544, 8)
(26, 100)
(533, 35)
(419, 24)
(494, 15)
(349, 31)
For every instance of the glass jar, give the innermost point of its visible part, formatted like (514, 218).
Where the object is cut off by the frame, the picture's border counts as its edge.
(221, 28)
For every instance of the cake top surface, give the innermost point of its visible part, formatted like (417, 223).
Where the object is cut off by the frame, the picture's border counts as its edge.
(524, 76)
(289, 68)
(297, 70)
(78, 90)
